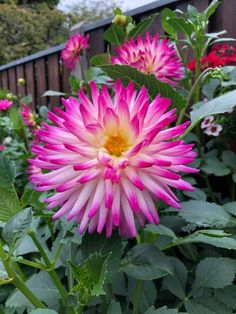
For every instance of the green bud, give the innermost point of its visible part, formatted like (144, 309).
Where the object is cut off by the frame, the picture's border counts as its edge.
(21, 82)
(10, 96)
(120, 20)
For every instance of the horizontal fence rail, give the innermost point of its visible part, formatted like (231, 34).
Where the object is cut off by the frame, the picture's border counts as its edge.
(44, 70)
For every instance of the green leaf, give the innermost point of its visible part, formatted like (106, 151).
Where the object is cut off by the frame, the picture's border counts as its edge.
(101, 59)
(213, 165)
(90, 277)
(99, 243)
(229, 158)
(197, 194)
(204, 214)
(53, 93)
(43, 111)
(16, 228)
(146, 262)
(43, 311)
(148, 295)
(210, 237)
(211, 8)
(221, 104)
(75, 83)
(176, 283)
(26, 99)
(114, 35)
(209, 88)
(161, 230)
(114, 308)
(165, 16)
(126, 74)
(227, 296)
(192, 12)
(162, 310)
(180, 24)
(206, 305)
(7, 172)
(9, 202)
(142, 26)
(214, 273)
(42, 286)
(230, 208)
(32, 198)
(16, 119)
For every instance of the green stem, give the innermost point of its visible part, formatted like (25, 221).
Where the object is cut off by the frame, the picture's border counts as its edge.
(51, 272)
(137, 297)
(18, 282)
(84, 77)
(210, 190)
(190, 95)
(19, 271)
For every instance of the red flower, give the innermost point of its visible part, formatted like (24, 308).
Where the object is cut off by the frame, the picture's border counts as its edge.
(220, 55)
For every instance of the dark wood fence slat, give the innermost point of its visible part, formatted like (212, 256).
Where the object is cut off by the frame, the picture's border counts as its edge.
(53, 78)
(12, 80)
(30, 84)
(4, 79)
(65, 78)
(20, 74)
(41, 81)
(96, 43)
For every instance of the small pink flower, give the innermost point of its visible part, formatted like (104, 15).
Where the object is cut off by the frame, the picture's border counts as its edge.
(151, 56)
(5, 104)
(207, 122)
(213, 129)
(74, 47)
(109, 158)
(2, 147)
(28, 116)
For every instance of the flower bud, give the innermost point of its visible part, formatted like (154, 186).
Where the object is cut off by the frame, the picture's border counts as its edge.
(21, 82)
(120, 20)
(10, 96)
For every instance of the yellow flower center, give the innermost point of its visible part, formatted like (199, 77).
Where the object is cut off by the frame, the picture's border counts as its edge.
(116, 144)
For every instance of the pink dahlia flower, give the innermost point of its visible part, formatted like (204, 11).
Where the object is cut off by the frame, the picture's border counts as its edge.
(151, 56)
(2, 147)
(74, 47)
(28, 116)
(108, 159)
(5, 104)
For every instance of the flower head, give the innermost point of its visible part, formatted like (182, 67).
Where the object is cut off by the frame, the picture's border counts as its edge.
(108, 159)
(220, 55)
(28, 116)
(2, 147)
(5, 104)
(151, 56)
(207, 122)
(213, 129)
(74, 47)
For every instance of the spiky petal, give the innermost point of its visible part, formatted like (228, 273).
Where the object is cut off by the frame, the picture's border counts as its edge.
(73, 49)
(151, 56)
(5, 104)
(108, 159)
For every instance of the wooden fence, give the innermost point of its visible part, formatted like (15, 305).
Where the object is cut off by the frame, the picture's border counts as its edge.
(44, 70)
